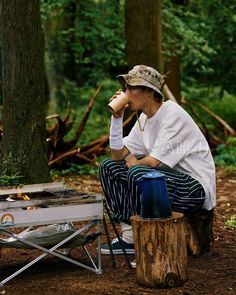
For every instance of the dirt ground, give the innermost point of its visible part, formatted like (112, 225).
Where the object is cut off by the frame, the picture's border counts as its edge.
(213, 273)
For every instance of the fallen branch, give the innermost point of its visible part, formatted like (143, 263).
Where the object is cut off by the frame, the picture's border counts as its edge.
(63, 156)
(218, 118)
(168, 94)
(166, 90)
(212, 139)
(88, 160)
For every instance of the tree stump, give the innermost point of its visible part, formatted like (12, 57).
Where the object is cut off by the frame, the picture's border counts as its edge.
(160, 250)
(199, 226)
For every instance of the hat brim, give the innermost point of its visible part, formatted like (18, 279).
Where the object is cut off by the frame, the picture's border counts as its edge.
(133, 80)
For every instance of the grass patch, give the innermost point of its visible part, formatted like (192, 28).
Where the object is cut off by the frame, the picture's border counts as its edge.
(231, 222)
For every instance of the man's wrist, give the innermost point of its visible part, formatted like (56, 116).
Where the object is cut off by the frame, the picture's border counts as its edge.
(116, 133)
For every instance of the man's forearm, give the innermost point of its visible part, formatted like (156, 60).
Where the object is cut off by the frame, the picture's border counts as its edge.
(147, 161)
(119, 154)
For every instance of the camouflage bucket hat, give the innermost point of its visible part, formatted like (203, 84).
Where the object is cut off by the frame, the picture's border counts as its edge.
(142, 75)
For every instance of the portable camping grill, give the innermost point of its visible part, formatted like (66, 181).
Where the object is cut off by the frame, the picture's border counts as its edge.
(55, 207)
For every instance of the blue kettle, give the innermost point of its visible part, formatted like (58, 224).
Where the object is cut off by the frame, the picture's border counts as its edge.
(155, 203)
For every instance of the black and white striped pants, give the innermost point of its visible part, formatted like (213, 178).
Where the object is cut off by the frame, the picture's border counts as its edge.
(119, 185)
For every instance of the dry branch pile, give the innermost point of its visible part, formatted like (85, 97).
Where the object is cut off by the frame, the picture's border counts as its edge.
(61, 151)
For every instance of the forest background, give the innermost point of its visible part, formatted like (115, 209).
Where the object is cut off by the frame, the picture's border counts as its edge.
(63, 85)
(88, 43)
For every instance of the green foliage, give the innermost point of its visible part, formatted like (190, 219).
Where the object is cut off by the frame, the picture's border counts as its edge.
(57, 18)
(99, 39)
(221, 31)
(76, 169)
(87, 36)
(226, 153)
(232, 221)
(203, 33)
(86, 42)
(182, 36)
(9, 180)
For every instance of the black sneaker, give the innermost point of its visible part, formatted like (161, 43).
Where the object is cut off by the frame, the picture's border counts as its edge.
(116, 248)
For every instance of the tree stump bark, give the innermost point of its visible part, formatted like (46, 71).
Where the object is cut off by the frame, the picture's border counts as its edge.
(160, 250)
(199, 226)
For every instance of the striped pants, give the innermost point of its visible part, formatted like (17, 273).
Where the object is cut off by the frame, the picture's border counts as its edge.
(119, 185)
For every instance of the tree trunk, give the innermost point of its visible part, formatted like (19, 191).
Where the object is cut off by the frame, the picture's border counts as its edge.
(0, 65)
(199, 226)
(144, 34)
(24, 142)
(172, 69)
(160, 251)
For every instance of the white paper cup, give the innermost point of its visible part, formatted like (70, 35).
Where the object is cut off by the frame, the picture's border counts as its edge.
(118, 103)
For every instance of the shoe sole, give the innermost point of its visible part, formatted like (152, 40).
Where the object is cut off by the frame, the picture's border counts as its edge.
(133, 264)
(117, 252)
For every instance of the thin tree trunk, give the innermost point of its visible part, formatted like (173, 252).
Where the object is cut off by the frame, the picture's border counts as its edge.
(172, 69)
(144, 34)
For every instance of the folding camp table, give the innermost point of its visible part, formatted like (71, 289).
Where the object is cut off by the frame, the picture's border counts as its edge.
(56, 205)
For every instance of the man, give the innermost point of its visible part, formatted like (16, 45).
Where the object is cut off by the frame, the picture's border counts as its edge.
(164, 138)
